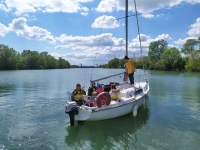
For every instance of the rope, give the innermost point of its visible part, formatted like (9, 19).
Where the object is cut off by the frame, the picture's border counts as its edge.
(139, 34)
(82, 77)
(99, 40)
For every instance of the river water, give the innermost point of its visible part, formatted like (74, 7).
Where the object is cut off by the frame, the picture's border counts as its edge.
(32, 113)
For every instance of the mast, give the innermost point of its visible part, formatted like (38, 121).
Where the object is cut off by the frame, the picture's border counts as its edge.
(126, 23)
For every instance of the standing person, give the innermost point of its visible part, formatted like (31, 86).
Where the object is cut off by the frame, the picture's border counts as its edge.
(77, 94)
(130, 69)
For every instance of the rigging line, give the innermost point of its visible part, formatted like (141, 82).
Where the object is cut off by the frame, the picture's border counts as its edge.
(82, 77)
(85, 76)
(139, 34)
(99, 40)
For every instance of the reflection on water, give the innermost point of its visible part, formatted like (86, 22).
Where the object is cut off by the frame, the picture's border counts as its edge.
(113, 133)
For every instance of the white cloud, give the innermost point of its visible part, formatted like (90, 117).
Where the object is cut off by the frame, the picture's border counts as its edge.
(195, 29)
(107, 22)
(106, 6)
(143, 6)
(49, 38)
(163, 37)
(88, 47)
(3, 30)
(84, 13)
(56, 55)
(172, 45)
(194, 33)
(31, 6)
(148, 15)
(182, 41)
(20, 27)
(3, 7)
(105, 39)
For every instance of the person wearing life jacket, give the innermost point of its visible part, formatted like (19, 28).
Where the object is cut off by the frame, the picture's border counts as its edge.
(114, 93)
(91, 89)
(77, 95)
(99, 88)
(130, 68)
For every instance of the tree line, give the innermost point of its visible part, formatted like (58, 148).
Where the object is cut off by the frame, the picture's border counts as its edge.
(161, 57)
(10, 59)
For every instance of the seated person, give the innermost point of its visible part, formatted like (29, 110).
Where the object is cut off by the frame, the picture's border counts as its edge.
(91, 89)
(99, 88)
(114, 93)
(77, 95)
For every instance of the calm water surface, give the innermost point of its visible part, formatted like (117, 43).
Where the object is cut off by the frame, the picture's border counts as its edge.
(32, 113)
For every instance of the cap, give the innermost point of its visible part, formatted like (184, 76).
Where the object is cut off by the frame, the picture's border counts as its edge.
(99, 85)
(126, 57)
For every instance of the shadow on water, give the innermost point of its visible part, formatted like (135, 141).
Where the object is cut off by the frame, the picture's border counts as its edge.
(119, 132)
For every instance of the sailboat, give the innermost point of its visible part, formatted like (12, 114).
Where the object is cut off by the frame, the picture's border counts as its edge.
(131, 96)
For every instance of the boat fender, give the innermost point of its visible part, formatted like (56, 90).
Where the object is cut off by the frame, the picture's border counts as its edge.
(103, 98)
(135, 108)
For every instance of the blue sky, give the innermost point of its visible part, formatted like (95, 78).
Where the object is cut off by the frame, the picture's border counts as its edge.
(87, 32)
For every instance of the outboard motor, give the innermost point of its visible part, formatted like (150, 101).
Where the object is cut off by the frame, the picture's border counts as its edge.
(71, 109)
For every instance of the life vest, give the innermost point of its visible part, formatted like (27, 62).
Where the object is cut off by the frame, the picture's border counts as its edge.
(115, 96)
(79, 95)
(93, 90)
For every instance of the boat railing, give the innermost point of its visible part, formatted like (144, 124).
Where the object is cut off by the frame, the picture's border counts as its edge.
(143, 77)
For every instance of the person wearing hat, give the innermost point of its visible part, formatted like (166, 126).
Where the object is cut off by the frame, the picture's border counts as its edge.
(91, 89)
(130, 68)
(77, 94)
(99, 89)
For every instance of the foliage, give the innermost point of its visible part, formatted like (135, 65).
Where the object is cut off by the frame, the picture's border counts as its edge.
(62, 63)
(193, 63)
(10, 60)
(171, 59)
(190, 46)
(160, 57)
(156, 49)
(113, 63)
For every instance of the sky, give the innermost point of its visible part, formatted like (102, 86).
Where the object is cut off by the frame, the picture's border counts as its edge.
(91, 32)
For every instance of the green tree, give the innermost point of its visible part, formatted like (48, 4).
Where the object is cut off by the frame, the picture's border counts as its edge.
(43, 60)
(33, 60)
(193, 63)
(62, 63)
(156, 49)
(113, 63)
(189, 46)
(52, 63)
(8, 58)
(171, 59)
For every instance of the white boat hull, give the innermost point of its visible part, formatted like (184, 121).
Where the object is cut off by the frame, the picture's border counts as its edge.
(123, 106)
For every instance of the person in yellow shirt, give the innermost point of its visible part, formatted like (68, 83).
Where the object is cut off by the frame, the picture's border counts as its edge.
(77, 95)
(130, 68)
